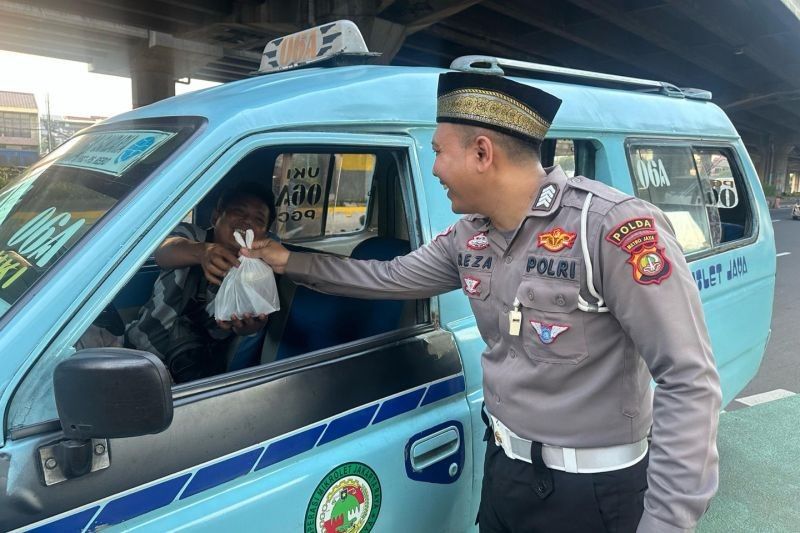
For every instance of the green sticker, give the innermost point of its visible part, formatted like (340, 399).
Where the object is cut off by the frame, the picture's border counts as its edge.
(347, 500)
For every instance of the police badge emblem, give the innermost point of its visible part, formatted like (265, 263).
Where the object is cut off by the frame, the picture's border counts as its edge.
(639, 238)
(556, 239)
(472, 286)
(479, 241)
(548, 332)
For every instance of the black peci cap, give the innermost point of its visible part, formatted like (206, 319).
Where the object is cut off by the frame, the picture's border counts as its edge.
(497, 103)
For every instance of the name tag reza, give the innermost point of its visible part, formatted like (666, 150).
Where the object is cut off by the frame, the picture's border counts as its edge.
(482, 262)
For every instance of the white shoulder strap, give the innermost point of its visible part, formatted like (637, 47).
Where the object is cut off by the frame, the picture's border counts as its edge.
(583, 305)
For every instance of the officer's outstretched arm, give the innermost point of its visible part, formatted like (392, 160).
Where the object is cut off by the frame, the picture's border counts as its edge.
(648, 288)
(426, 271)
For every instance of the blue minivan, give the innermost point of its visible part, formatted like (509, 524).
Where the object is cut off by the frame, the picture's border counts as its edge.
(359, 415)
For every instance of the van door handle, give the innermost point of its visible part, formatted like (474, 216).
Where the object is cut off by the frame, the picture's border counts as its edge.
(435, 447)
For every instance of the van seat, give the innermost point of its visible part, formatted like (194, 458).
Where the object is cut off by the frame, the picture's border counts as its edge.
(317, 320)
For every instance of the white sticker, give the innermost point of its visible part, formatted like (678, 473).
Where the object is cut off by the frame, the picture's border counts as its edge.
(652, 174)
(42, 237)
(113, 152)
(727, 197)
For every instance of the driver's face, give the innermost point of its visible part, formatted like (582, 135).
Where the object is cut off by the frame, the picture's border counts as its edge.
(242, 214)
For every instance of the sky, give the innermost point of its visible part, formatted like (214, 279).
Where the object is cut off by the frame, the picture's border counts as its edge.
(73, 90)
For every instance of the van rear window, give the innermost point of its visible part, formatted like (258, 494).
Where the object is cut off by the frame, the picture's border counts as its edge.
(700, 189)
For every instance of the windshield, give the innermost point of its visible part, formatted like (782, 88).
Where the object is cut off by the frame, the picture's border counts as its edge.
(47, 209)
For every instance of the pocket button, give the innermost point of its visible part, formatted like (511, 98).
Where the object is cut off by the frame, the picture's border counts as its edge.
(560, 300)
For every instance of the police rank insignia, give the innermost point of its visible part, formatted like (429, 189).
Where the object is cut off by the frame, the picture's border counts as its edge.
(546, 197)
(548, 332)
(472, 285)
(479, 241)
(639, 237)
(556, 240)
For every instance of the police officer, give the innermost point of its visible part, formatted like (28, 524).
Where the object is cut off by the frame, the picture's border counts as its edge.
(581, 294)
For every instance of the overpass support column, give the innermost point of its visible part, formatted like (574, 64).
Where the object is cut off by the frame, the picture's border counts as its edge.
(761, 161)
(779, 164)
(152, 77)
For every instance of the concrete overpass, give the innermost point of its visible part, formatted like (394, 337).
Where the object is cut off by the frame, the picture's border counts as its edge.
(744, 51)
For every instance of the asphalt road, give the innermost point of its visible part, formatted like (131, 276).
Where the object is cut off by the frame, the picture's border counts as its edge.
(780, 369)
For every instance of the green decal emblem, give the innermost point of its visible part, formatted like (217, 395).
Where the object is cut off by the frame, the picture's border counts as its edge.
(347, 500)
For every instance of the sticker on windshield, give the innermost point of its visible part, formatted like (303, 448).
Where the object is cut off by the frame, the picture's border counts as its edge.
(113, 152)
(347, 500)
(45, 235)
(12, 267)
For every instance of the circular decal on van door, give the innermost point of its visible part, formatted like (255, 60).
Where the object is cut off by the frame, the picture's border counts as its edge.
(347, 500)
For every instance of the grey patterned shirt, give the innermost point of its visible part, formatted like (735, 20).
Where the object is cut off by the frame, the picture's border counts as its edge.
(151, 331)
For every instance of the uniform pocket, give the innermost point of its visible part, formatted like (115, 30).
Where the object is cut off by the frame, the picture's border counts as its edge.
(552, 325)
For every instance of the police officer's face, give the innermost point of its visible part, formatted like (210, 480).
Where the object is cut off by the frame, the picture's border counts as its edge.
(455, 168)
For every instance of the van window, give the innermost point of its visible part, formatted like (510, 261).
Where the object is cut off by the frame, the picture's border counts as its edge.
(340, 183)
(699, 190)
(321, 193)
(728, 196)
(576, 157)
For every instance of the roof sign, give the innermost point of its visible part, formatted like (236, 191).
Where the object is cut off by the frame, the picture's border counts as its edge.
(113, 152)
(341, 40)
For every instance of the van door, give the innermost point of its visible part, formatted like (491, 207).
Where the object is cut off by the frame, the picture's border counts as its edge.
(708, 192)
(368, 429)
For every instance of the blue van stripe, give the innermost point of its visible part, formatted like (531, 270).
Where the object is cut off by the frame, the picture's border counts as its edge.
(156, 496)
(290, 446)
(444, 389)
(398, 406)
(219, 473)
(349, 423)
(70, 523)
(139, 503)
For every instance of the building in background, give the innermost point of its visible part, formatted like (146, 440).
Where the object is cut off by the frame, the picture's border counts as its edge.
(56, 129)
(19, 130)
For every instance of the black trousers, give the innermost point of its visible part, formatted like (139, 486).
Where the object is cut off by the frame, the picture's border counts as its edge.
(511, 500)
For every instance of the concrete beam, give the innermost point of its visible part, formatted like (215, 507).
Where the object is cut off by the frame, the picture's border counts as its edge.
(638, 25)
(747, 36)
(441, 9)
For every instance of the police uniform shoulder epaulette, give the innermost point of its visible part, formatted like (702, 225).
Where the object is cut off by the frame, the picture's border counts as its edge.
(604, 196)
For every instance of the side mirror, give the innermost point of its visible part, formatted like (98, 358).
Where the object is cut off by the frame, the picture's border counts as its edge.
(112, 393)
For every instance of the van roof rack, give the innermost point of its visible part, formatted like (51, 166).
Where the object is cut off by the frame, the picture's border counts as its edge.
(494, 65)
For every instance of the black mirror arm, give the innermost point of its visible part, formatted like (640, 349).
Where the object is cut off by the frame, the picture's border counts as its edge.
(74, 456)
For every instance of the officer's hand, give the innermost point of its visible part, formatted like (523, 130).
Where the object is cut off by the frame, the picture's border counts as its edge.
(271, 252)
(247, 325)
(216, 260)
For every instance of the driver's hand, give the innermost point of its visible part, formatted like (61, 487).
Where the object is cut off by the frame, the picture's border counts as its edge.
(216, 261)
(246, 325)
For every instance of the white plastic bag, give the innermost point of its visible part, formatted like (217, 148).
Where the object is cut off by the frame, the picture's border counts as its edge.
(247, 289)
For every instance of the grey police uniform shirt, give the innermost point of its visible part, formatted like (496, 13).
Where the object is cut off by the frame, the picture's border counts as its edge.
(574, 378)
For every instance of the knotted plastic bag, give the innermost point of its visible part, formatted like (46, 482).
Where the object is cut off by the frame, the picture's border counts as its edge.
(247, 289)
